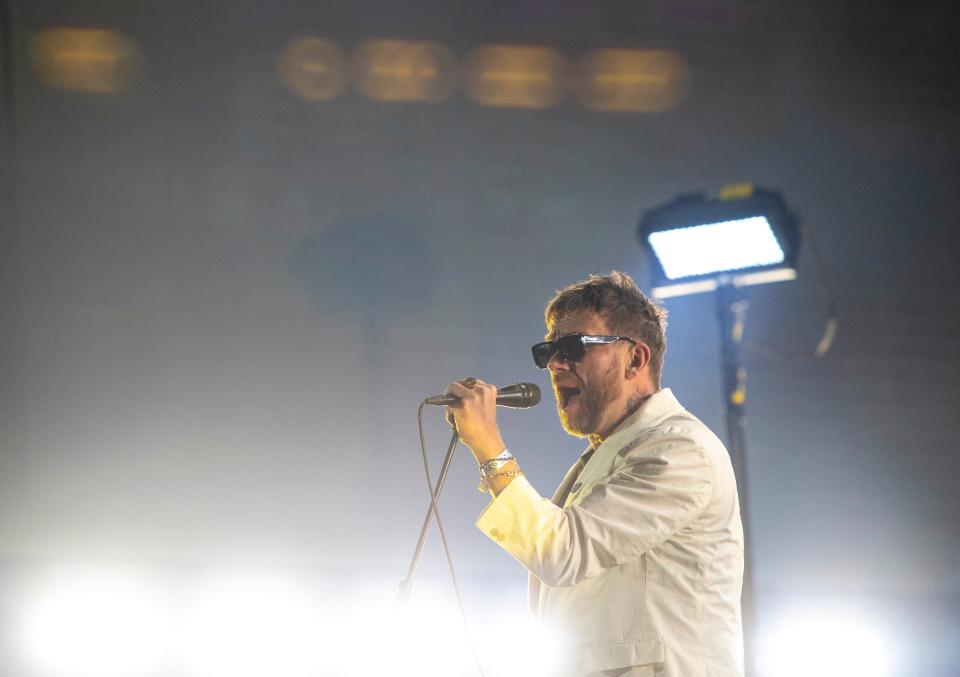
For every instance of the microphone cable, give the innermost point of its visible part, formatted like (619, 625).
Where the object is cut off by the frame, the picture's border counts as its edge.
(829, 303)
(443, 535)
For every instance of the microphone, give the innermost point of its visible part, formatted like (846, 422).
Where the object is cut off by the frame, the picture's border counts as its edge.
(517, 396)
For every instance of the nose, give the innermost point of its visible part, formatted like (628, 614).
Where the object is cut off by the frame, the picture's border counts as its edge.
(557, 364)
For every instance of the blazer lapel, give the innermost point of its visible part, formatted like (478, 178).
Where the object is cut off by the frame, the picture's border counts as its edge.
(658, 407)
(560, 495)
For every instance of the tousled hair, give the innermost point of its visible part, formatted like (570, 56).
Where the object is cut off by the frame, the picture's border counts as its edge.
(626, 310)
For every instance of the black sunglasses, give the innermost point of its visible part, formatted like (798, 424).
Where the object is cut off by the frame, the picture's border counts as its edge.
(571, 348)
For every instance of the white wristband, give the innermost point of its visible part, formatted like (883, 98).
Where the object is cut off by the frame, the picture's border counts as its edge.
(490, 467)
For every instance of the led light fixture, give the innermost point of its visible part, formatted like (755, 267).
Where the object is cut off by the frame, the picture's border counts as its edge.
(741, 235)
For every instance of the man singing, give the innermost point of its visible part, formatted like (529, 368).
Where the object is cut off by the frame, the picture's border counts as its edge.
(638, 559)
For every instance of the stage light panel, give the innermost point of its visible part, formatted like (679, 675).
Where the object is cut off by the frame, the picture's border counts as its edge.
(716, 247)
(741, 236)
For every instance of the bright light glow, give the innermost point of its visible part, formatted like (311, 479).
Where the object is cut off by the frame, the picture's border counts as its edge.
(100, 624)
(684, 289)
(424, 639)
(745, 280)
(765, 277)
(825, 643)
(427, 637)
(249, 624)
(535, 650)
(112, 624)
(716, 247)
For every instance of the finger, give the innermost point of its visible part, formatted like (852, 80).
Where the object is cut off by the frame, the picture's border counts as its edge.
(458, 389)
(485, 390)
(482, 391)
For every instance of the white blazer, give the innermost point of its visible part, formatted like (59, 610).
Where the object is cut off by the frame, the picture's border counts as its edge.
(639, 568)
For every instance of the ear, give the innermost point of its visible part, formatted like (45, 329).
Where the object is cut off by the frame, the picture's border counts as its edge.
(639, 359)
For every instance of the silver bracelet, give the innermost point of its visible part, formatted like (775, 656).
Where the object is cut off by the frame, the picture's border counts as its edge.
(490, 467)
(485, 482)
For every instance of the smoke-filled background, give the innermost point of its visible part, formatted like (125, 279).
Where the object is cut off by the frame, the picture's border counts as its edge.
(241, 242)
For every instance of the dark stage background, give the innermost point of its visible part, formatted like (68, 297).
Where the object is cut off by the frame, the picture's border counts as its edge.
(222, 303)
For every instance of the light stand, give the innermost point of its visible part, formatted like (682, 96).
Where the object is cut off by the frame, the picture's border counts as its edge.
(732, 312)
(724, 241)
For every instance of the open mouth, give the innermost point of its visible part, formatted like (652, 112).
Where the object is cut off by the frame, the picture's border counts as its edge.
(567, 394)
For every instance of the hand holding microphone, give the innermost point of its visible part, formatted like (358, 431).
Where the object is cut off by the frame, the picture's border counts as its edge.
(474, 412)
(473, 405)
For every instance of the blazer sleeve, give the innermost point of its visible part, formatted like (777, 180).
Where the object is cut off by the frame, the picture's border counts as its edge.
(656, 490)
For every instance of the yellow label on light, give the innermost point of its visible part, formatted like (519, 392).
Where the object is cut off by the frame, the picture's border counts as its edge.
(736, 191)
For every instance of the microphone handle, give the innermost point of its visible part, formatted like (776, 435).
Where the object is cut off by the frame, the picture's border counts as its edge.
(509, 396)
(442, 400)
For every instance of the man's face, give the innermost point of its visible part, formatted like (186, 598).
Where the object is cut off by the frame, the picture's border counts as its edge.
(591, 393)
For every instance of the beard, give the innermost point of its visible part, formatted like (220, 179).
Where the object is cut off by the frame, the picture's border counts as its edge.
(592, 402)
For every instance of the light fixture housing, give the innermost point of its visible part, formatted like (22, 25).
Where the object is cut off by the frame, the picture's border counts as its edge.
(740, 235)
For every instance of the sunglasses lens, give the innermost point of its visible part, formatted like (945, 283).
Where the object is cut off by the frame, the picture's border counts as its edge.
(571, 348)
(542, 353)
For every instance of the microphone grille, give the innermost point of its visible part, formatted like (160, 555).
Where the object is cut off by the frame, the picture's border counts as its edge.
(518, 395)
(531, 394)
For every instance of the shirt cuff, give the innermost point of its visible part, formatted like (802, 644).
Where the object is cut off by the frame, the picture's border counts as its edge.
(499, 517)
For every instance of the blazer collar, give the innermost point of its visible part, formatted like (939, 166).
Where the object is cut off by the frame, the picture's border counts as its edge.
(659, 406)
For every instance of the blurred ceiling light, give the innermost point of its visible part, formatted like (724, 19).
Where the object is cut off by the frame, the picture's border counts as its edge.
(404, 71)
(312, 68)
(632, 80)
(85, 59)
(827, 643)
(515, 76)
(99, 625)
(252, 625)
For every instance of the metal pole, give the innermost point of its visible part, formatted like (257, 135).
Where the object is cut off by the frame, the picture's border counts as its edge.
(406, 585)
(12, 339)
(732, 312)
